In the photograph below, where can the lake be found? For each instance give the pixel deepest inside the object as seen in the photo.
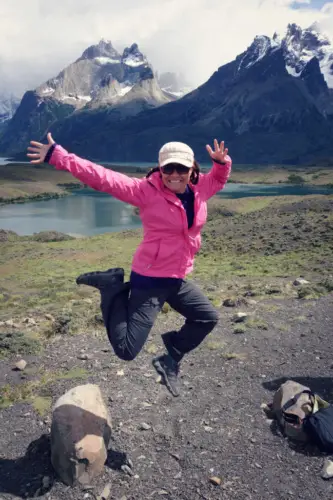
(87, 212)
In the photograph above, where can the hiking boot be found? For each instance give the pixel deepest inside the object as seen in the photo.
(101, 279)
(168, 368)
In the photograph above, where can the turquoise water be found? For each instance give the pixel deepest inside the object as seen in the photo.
(87, 212)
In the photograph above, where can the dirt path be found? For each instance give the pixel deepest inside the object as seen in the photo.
(216, 428)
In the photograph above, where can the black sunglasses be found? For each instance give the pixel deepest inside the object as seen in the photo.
(171, 167)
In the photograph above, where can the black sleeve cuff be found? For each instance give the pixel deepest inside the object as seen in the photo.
(49, 153)
(219, 162)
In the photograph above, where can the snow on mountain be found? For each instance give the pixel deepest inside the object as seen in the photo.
(299, 47)
(8, 105)
(133, 57)
(100, 76)
(259, 48)
(174, 84)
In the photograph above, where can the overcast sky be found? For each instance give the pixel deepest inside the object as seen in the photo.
(38, 38)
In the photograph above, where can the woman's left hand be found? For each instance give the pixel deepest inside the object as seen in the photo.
(219, 154)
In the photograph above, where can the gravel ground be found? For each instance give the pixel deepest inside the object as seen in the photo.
(216, 428)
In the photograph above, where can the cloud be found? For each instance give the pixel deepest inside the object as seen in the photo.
(302, 1)
(39, 38)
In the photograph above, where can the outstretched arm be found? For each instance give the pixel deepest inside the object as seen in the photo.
(216, 179)
(120, 186)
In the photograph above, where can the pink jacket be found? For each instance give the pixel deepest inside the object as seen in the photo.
(168, 246)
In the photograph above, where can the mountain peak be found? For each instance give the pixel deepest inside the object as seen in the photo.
(299, 46)
(132, 56)
(258, 49)
(103, 49)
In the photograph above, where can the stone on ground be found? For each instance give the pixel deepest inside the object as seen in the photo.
(80, 434)
(300, 281)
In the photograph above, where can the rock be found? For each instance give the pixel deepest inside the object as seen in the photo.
(62, 325)
(49, 317)
(99, 319)
(127, 470)
(120, 373)
(106, 492)
(208, 429)
(327, 471)
(240, 317)
(300, 281)
(29, 321)
(9, 322)
(84, 357)
(215, 480)
(144, 427)
(6, 235)
(229, 303)
(80, 434)
(20, 365)
(252, 302)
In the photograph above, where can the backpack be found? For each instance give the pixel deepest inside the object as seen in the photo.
(292, 404)
(319, 427)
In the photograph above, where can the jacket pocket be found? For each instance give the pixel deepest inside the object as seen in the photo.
(147, 253)
(168, 256)
(195, 244)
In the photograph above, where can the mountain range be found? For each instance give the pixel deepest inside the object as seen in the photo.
(272, 103)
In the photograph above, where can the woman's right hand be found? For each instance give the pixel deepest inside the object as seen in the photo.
(39, 150)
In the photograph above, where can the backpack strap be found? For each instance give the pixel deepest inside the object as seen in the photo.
(294, 399)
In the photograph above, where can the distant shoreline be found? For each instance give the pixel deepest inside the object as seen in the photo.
(24, 182)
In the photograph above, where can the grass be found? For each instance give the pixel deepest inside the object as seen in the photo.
(40, 274)
(151, 348)
(265, 239)
(30, 392)
(256, 323)
(19, 183)
(214, 345)
(12, 343)
(234, 355)
(239, 329)
(286, 264)
(279, 174)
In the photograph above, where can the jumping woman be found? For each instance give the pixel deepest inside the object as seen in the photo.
(172, 202)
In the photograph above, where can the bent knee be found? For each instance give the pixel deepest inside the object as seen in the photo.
(214, 321)
(212, 317)
(126, 354)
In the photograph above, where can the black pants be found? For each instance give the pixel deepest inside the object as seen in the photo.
(129, 315)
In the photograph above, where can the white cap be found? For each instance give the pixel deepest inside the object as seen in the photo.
(176, 152)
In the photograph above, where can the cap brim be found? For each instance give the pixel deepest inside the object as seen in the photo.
(185, 163)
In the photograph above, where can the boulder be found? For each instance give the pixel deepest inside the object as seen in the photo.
(80, 434)
(300, 281)
(240, 317)
(20, 365)
(327, 471)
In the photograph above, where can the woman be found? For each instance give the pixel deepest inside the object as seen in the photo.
(172, 203)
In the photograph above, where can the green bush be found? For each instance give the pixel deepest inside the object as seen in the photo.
(18, 343)
(296, 179)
